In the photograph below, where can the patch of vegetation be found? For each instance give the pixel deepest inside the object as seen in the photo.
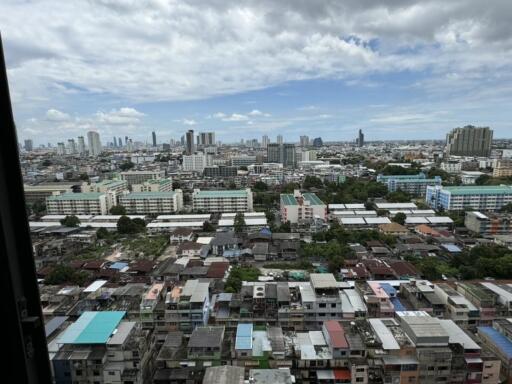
(148, 247)
(239, 274)
(63, 274)
(70, 221)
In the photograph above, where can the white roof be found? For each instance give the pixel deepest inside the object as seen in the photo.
(355, 206)
(95, 285)
(425, 212)
(249, 222)
(377, 220)
(336, 206)
(395, 211)
(42, 224)
(99, 224)
(480, 215)
(384, 334)
(352, 221)
(204, 240)
(175, 224)
(396, 205)
(457, 335)
(60, 217)
(416, 220)
(366, 213)
(246, 214)
(184, 217)
(343, 213)
(439, 220)
(116, 217)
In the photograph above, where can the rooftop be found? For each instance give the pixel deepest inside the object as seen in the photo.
(148, 195)
(77, 196)
(92, 328)
(479, 190)
(220, 194)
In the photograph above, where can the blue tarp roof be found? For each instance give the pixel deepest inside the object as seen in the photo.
(397, 304)
(266, 231)
(92, 327)
(451, 248)
(118, 265)
(501, 341)
(388, 289)
(243, 336)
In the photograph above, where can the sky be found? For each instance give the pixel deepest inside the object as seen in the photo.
(397, 69)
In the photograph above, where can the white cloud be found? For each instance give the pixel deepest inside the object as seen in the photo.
(189, 122)
(235, 117)
(56, 115)
(121, 116)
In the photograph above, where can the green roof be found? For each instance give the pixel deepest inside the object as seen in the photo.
(313, 199)
(288, 199)
(92, 328)
(148, 195)
(221, 194)
(480, 190)
(77, 196)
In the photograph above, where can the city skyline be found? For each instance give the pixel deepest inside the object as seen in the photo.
(420, 71)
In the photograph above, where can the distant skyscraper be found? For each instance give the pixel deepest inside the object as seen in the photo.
(115, 142)
(71, 146)
(129, 145)
(61, 149)
(317, 142)
(265, 141)
(93, 143)
(119, 142)
(126, 140)
(189, 145)
(206, 139)
(29, 145)
(360, 139)
(282, 153)
(81, 145)
(279, 139)
(154, 138)
(304, 141)
(469, 141)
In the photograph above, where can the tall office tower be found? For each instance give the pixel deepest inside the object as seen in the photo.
(49, 145)
(304, 141)
(119, 142)
(129, 145)
(469, 141)
(360, 139)
(282, 153)
(206, 139)
(265, 141)
(154, 138)
(115, 142)
(61, 149)
(29, 145)
(279, 139)
(126, 140)
(317, 142)
(182, 140)
(71, 146)
(94, 143)
(81, 145)
(189, 146)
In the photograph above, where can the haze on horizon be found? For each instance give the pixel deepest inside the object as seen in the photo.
(396, 69)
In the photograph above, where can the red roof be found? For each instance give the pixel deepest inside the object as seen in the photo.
(342, 374)
(336, 334)
(217, 270)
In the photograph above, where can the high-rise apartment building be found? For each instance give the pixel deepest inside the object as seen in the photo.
(282, 153)
(304, 141)
(81, 145)
(61, 149)
(195, 162)
(153, 134)
(360, 139)
(469, 141)
(71, 146)
(206, 139)
(189, 142)
(279, 139)
(29, 145)
(265, 141)
(94, 143)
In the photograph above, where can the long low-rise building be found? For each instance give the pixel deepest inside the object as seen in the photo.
(40, 192)
(485, 198)
(91, 203)
(412, 184)
(223, 201)
(488, 225)
(148, 203)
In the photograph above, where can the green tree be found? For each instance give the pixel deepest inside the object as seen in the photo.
(70, 221)
(506, 208)
(61, 274)
(312, 182)
(126, 165)
(400, 218)
(482, 180)
(125, 225)
(39, 207)
(285, 227)
(239, 223)
(84, 177)
(208, 227)
(102, 233)
(398, 197)
(118, 210)
(260, 186)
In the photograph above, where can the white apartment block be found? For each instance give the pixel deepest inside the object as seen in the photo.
(196, 162)
(140, 177)
(92, 203)
(223, 201)
(157, 185)
(302, 207)
(147, 203)
(113, 188)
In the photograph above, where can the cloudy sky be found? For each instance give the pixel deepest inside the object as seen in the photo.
(398, 69)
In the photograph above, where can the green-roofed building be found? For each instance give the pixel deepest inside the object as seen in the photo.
(154, 185)
(148, 203)
(302, 207)
(112, 188)
(225, 201)
(478, 197)
(85, 203)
